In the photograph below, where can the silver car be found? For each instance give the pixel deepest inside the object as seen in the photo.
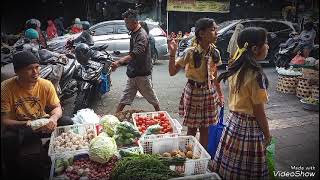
(115, 34)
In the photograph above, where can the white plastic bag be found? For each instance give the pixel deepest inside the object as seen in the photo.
(86, 116)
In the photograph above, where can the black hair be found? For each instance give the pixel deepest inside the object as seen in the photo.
(144, 25)
(201, 25)
(131, 14)
(253, 36)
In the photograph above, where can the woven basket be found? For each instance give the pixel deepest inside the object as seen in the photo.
(310, 73)
(287, 84)
(304, 88)
(315, 92)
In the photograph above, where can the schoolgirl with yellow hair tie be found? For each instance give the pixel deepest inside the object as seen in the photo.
(241, 153)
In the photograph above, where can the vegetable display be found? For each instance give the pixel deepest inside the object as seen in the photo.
(142, 167)
(70, 141)
(187, 153)
(109, 123)
(143, 122)
(131, 151)
(126, 133)
(127, 114)
(102, 148)
(83, 168)
(311, 100)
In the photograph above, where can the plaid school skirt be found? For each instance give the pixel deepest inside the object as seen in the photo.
(241, 153)
(198, 106)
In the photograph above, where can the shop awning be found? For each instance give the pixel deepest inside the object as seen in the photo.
(218, 6)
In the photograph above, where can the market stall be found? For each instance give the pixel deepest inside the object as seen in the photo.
(148, 145)
(301, 79)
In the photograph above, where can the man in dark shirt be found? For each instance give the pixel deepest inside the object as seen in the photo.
(139, 64)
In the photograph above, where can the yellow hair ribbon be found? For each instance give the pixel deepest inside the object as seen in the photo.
(239, 52)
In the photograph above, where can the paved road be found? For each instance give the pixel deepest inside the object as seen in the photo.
(296, 130)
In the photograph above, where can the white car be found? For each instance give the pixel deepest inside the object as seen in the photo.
(115, 34)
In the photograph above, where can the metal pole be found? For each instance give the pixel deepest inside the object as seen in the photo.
(159, 5)
(167, 22)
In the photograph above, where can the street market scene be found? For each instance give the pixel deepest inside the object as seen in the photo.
(160, 89)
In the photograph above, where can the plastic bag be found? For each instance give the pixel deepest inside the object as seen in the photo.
(104, 85)
(271, 158)
(215, 132)
(298, 59)
(86, 116)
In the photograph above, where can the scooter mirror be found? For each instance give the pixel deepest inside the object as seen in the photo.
(116, 52)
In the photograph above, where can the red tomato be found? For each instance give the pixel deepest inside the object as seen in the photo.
(161, 114)
(165, 126)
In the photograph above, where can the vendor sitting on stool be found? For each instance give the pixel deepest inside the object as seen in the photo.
(25, 98)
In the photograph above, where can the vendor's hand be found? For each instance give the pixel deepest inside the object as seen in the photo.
(172, 46)
(115, 65)
(48, 128)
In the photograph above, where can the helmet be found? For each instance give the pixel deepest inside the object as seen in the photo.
(85, 25)
(33, 23)
(31, 34)
(82, 53)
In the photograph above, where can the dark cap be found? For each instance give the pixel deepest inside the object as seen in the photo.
(23, 59)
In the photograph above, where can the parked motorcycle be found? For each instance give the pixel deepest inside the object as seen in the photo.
(60, 72)
(287, 51)
(93, 75)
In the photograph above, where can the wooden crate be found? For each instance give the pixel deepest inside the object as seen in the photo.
(287, 84)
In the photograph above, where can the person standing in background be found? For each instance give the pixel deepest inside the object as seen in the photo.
(233, 46)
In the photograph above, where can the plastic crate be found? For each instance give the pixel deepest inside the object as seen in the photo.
(208, 176)
(80, 129)
(169, 144)
(176, 126)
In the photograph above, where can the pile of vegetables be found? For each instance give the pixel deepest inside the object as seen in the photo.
(142, 167)
(102, 148)
(109, 123)
(83, 168)
(126, 133)
(127, 114)
(145, 121)
(71, 141)
(131, 151)
(310, 100)
(187, 153)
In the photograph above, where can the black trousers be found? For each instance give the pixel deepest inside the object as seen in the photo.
(23, 154)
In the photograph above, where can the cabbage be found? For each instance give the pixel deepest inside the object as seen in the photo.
(109, 123)
(102, 148)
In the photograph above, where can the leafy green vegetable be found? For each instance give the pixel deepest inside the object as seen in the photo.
(142, 167)
(126, 133)
(109, 123)
(102, 148)
(154, 129)
(132, 151)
